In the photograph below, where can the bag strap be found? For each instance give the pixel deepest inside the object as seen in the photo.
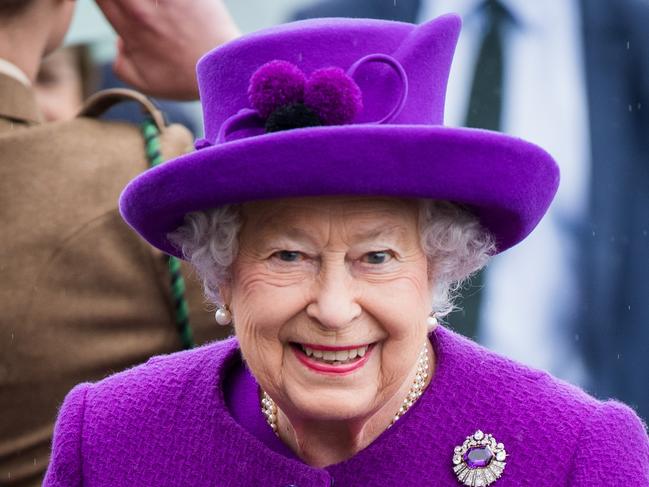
(181, 309)
(99, 103)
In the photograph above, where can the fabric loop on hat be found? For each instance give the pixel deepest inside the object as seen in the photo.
(398, 68)
(245, 123)
(201, 144)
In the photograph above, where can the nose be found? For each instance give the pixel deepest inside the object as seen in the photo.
(334, 303)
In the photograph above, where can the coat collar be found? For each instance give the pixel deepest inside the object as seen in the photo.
(17, 102)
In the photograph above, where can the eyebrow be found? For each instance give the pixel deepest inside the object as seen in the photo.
(298, 233)
(374, 233)
(292, 232)
(361, 234)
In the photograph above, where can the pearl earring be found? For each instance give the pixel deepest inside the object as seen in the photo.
(431, 321)
(223, 315)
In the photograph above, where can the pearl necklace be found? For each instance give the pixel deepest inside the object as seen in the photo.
(269, 408)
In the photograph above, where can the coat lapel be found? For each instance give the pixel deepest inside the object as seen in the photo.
(17, 102)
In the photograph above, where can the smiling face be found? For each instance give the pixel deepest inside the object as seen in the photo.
(330, 298)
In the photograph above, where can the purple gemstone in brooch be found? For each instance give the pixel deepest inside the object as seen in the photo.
(479, 461)
(478, 457)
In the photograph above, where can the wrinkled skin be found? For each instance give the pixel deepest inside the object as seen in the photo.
(335, 272)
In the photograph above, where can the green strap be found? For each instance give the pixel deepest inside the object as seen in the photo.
(181, 309)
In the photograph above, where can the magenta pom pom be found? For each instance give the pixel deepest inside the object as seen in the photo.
(275, 84)
(329, 92)
(333, 95)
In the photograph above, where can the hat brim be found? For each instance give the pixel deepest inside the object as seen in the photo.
(507, 182)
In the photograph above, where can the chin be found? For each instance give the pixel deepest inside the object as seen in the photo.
(331, 403)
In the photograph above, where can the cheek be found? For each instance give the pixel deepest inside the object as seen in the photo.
(262, 306)
(257, 333)
(400, 305)
(264, 301)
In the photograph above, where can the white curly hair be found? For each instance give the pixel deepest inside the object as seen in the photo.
(455, 244)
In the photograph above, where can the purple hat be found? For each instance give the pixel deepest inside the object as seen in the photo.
(341, 107)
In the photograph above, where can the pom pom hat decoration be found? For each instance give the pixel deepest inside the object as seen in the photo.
(341, 107)
(275, 84)
(280, 93)
(333, 95)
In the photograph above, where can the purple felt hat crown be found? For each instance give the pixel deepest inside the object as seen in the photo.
(341, 107)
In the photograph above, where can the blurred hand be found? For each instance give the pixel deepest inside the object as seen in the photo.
(160, 41)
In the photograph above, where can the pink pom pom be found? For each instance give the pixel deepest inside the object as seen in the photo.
(333, 95)
(275, 84)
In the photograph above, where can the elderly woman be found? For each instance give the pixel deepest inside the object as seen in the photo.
(332, 218)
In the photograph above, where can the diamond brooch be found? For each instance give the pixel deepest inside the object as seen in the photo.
(479, 461)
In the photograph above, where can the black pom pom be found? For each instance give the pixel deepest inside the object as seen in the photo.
(293, 116)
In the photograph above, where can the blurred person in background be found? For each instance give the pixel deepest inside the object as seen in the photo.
(70, 75)
(65, 79)
(74, 309)
(572, 76)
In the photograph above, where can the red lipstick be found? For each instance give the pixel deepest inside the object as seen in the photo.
(333, 349)
(330, 369)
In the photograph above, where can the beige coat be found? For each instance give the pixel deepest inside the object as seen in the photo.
(81, 295)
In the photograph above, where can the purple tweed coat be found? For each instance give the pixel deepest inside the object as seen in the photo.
(166, 423)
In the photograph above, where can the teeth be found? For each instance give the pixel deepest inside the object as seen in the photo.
(329, 355)
(336, 357)
(342, 355)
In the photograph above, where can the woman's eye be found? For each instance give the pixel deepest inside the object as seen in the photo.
(288, 255)
(380, 257)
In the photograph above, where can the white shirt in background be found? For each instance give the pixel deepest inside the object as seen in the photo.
(13, 71)
(531, 290)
